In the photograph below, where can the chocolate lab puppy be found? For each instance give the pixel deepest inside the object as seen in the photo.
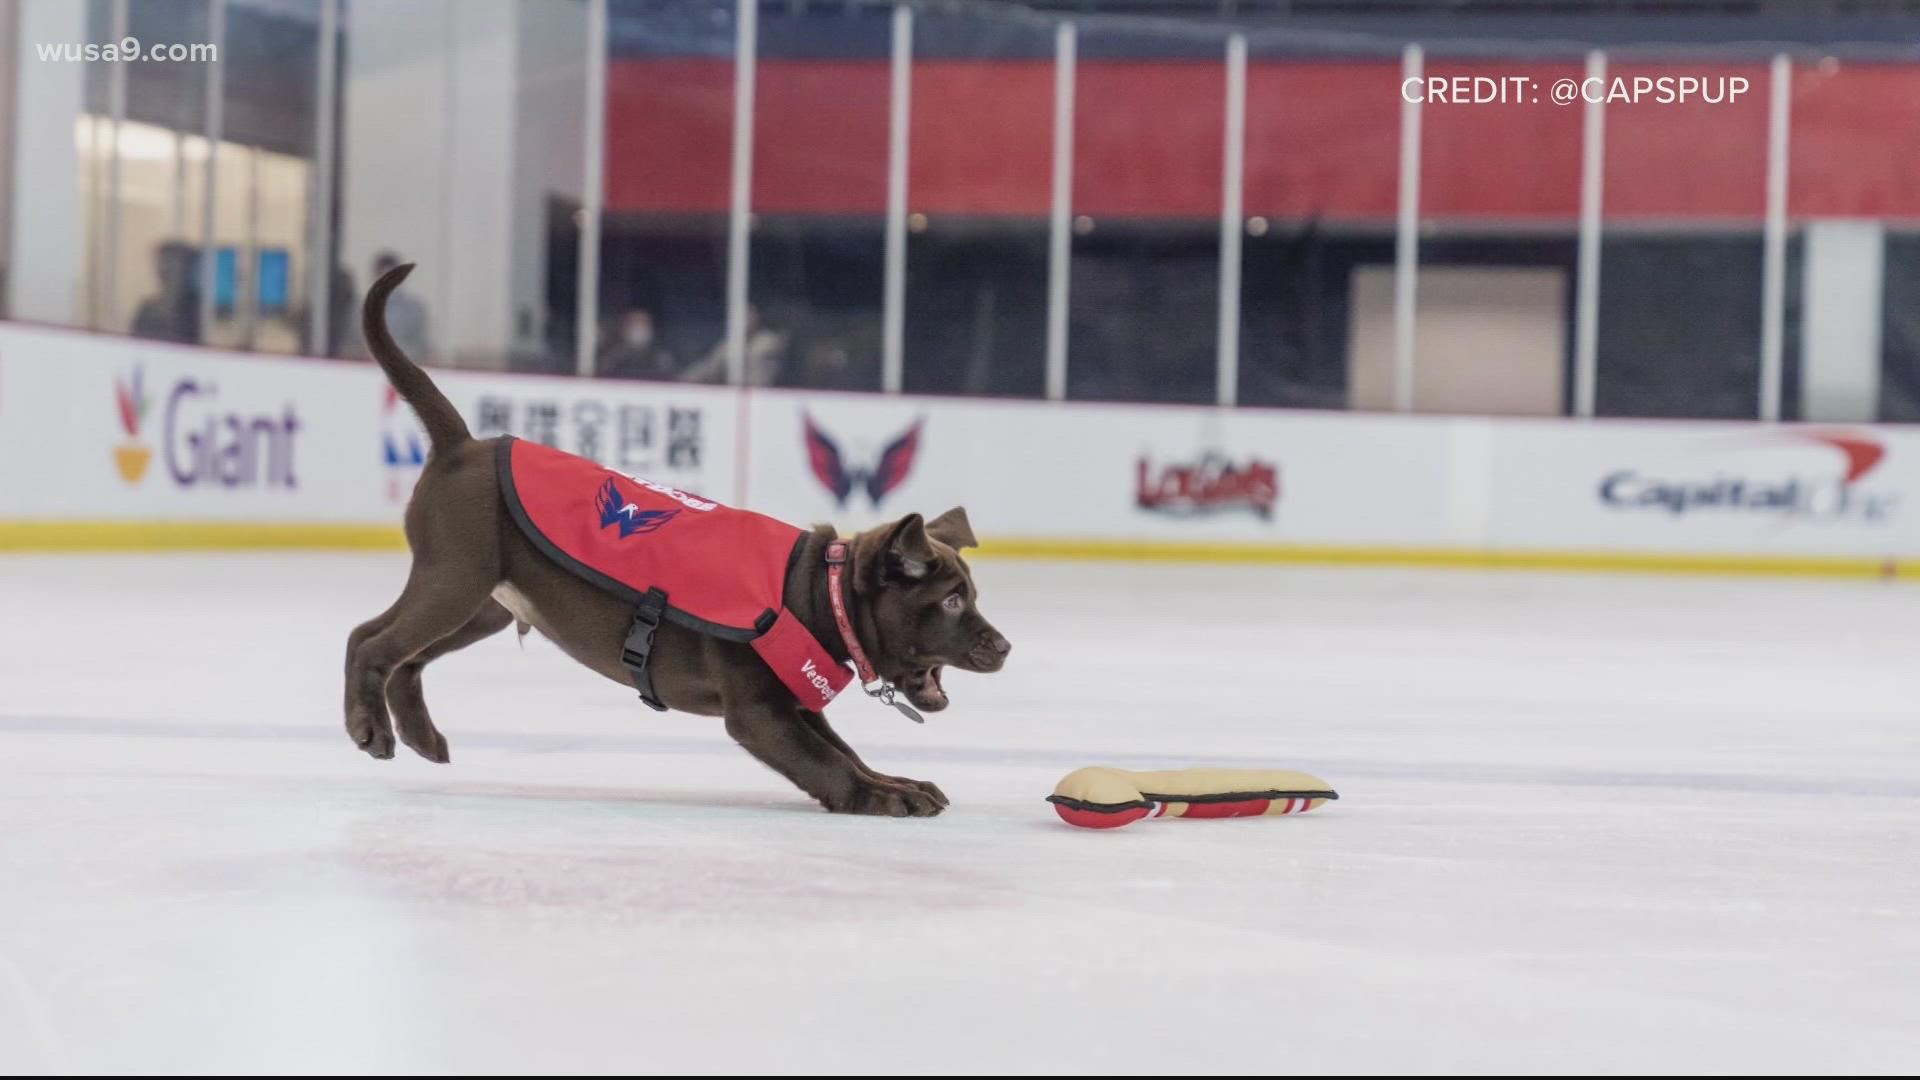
(909, 599)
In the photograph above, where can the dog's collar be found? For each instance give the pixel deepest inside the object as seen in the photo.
(836, 562)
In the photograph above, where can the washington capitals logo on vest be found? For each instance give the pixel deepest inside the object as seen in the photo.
(615, 510)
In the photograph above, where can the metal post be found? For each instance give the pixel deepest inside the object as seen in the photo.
(320, 243)
(1060, 235)
(1586, 313)
(216, 134)
(1232, 183)
(177, 223)
(894, 304)
(740, 213)
(586, 326)
(107, 312)
(247, 273)
(446, 280)
(1773, 298)
(1406, 263)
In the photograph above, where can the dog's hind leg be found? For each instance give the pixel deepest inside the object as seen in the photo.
(405, 697)
(434, 605)
(818, 722)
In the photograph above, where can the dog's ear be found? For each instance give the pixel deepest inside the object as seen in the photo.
(909, 551)
(951, 529)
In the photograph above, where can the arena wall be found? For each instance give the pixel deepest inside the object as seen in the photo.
(110, 443)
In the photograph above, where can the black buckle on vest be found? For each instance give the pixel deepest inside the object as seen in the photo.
(638, 648)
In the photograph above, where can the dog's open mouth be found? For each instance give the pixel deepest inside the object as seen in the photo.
(924, 690)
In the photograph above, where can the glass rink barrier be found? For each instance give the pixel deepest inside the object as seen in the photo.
(1502, 215)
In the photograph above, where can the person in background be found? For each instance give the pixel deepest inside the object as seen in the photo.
(635, 353)
(172, 314)
(343, 322)
(406, 315)
(766, 356)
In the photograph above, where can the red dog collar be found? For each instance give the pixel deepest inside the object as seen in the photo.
(836, 559)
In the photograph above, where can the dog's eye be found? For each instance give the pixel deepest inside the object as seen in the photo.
(954, 603)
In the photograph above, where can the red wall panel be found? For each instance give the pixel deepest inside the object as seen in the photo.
(1854, 147)
(1518, 158)
(1687, 160)
(669, 134)
(982, 137)
(1148, 137)
(820, 136)
(1323, 139)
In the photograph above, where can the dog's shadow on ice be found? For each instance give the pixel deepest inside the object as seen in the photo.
(618, 799)
(629, 856)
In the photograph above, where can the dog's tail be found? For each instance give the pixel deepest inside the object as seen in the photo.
(442, 421)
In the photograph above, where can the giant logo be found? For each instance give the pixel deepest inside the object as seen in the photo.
(205, 444)
(1832, 491)
(888, 471)
(1214, 484)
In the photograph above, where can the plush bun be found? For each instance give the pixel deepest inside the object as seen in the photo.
(1101, 798)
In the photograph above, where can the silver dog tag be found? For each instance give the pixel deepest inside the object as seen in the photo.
(889, 696)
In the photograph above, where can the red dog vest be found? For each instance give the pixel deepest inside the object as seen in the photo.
(723, 571)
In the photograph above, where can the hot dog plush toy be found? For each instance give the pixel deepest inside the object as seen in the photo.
(1100, 798)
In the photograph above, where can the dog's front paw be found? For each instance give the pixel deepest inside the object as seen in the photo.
(886, 799)
(927, 786)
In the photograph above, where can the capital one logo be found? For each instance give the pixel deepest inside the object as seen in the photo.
(877, 476)
(1834, 491)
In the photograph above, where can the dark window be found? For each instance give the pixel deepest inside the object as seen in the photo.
(976, 318)
(1144, 312)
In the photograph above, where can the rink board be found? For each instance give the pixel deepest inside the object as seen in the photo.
(108, 443)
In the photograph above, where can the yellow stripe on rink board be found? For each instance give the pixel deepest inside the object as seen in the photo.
(326, 536)
(1467, 558)
(195, 536)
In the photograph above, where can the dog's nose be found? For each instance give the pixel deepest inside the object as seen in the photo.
(989, 652)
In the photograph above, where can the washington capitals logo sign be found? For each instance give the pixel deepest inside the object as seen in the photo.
(889, 472)
(615, 510)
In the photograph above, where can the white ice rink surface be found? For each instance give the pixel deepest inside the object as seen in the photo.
(1587, 823)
